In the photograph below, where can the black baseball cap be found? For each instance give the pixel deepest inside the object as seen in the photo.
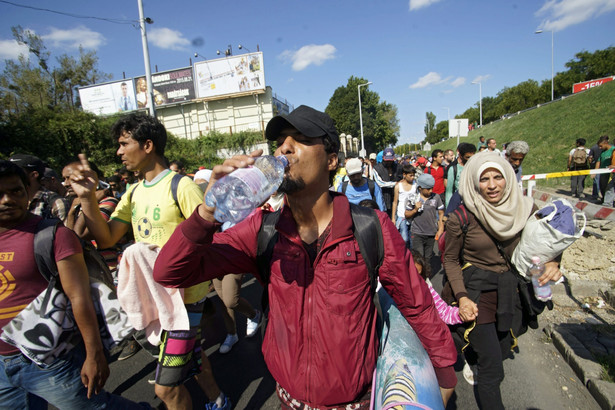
(29, 163)
(307, 121)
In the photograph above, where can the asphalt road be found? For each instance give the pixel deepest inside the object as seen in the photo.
(536, 378)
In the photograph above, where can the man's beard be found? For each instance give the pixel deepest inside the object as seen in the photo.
(291, 186)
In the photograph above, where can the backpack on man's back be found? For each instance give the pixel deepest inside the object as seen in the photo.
(579, 157)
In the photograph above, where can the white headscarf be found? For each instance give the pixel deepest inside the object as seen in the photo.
(506, 218)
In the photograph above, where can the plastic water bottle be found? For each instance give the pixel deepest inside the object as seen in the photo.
(535, 271)
(237, 194)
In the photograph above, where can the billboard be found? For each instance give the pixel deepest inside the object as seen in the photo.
(586, 85)
(170, 87)
(229, 75)
(110, 98)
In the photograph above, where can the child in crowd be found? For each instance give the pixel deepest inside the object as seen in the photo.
(369, 203)
(403, 190)
(425, 210)
(448, 314)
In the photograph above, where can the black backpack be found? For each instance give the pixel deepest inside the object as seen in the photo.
(45, 260)
(370, 185)
(367, 232)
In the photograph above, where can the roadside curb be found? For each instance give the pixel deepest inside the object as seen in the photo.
(583, 364)
(592, 211)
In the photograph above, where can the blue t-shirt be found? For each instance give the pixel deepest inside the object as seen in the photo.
(358, 194)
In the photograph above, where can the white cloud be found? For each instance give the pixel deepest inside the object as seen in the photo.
(559, 14)
(481, 78)
(11, 49)
(308, 55)
(459, 81)
(431, 78)
(168, 39)
(419, 4)
(73, 38)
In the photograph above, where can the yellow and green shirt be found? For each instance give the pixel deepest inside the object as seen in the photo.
(153, 214)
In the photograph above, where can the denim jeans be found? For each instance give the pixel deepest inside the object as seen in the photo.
(24, 385)
(402, 225)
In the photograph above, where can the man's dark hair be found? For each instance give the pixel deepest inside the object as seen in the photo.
(466, 147)
(8, 169)
(115, 178)
(180, 165)
(141, 128)
(124, 84)
(581, 142)
(369, 203)
(436, 152)
(408, 169)
(604, 138)
(481, 137)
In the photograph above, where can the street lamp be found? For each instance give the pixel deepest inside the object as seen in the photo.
(362, 153)
(199, 55)
(539, 32)
(242, 47)
(227, 52)
(148, 70)
(480, 100)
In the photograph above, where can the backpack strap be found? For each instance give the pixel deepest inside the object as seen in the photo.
(344, 187)
(174, 186)
(372, 188)
(266, 240)
(368, 234)
(44, 250)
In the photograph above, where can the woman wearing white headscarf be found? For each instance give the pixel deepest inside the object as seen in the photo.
(480, 278)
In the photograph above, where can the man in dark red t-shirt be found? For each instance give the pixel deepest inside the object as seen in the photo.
(436, 170)
(75, 379)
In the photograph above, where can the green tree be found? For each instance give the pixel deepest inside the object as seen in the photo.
(431, 134)
(24, 85)
(523, 95)
(380, 123)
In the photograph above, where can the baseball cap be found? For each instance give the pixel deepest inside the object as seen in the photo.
(203, 174)
(421, 160)
(372, 156)
(307, 121)
(29, 163)
(388, 154)
(354, 166)
(426, 181)
(50, 173)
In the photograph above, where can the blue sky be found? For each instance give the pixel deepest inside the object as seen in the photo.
(421, 55)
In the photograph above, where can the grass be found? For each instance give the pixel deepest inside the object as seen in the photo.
(608, 367)
(551, 131)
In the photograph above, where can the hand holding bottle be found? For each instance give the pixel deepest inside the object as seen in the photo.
(219, 171)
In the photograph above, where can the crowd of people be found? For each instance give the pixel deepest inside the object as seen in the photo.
(321, 338)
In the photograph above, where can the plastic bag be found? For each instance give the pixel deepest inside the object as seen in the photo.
(548, 236)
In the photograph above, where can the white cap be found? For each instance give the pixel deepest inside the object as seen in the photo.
(203, 174)
(354, 166)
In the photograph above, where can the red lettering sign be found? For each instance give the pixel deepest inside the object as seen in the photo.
(586, 85)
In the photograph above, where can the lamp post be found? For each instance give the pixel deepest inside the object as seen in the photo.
(148, 70)
(362, 152)
(448, 112)
(480, 100)
(228, 52)
(539, 32)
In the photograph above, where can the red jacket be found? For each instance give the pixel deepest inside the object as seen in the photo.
(321, 342)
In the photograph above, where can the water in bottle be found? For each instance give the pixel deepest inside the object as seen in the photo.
(237, 194)
(536, 270)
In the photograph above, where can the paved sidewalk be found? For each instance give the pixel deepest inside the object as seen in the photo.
(590, 335)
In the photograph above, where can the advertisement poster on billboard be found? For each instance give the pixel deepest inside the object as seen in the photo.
(170, 87)
(110, 98)
(230, 75)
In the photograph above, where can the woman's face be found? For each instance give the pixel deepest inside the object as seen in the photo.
(491, 185)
